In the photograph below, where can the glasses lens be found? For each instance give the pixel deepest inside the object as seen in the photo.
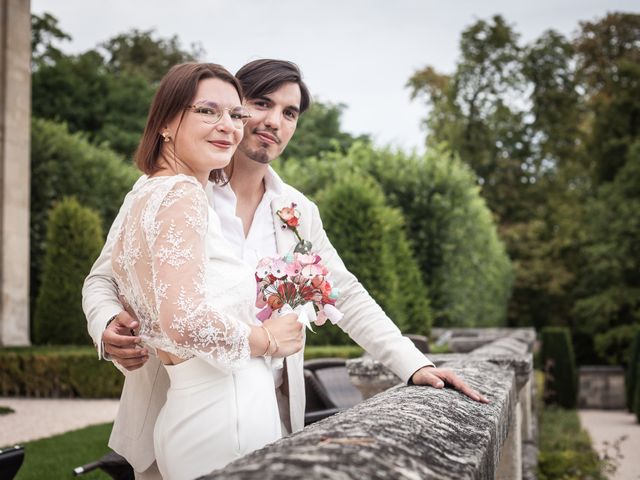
(209, 114)
(239, 116)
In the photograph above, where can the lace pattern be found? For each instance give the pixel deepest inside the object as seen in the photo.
(192, 297)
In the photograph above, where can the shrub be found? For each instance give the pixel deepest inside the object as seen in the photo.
(412, 298)
(560, 370)
(636, 404)
(454, 238)
(65, 164)
(75, 371)
(332, 351)
(614, 346)
(565, 448)
(370, 240)
(632, 370)
(74, 241)
(57, 372)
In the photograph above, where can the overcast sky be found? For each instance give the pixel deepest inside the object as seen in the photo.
(357, 52)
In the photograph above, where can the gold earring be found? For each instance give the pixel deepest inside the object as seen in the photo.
(167, 136)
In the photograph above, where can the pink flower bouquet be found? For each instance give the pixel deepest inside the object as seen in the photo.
(289, 282)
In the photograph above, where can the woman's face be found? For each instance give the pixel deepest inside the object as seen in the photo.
(199, 144)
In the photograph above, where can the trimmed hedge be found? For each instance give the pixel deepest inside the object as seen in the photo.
(76, 372)
(74, 241)
(633, 368)
(558, 361)
(332, 351)
(463, 263)
(64, 165)
(636, 405)
(370, 238)
(57, 372)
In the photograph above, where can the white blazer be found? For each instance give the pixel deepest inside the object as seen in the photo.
(145, 389)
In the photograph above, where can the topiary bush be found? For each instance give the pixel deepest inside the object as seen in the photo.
(633, 368)
(65, 164)
(558, 362)
(74, 241)
(370, 239)
(413, 312)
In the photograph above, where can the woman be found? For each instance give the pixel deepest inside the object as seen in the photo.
(193, 298)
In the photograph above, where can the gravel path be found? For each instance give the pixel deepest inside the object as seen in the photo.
(606, 427)
(40, 418)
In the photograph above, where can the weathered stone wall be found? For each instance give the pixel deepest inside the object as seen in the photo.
(410, 432)
(15, 121)
(601, 387)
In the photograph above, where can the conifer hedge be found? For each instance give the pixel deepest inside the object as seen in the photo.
(66, 164)
(74, 241)
(633, 369)
(558, 362)
(370, 239)
(636, 404)
(454, 238)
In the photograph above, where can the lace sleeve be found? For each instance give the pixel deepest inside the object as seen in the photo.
(177, 244)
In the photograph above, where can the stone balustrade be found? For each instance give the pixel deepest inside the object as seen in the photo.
(412, 432)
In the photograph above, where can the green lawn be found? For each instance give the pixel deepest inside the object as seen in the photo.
(56, 457)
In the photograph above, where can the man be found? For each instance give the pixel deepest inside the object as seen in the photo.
(276, 97)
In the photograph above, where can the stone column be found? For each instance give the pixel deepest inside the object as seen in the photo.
(15, 121)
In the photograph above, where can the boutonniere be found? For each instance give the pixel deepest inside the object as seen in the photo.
(291, 219)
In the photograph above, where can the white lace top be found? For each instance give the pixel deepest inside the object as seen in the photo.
(174, 269)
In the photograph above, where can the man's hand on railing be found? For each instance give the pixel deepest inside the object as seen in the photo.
(439, 377)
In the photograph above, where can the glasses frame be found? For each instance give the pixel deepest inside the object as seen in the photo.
(245, 120)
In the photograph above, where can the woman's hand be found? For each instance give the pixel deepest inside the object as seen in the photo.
(287, 333)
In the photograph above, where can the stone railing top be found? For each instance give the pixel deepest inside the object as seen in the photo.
(372, 377)
(403, 433)
(601, 369)
(463, 340)
(503, 346)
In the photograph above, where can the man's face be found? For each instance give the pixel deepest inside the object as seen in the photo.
(273, 121)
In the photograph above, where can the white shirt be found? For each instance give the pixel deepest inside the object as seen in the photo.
(261, 239)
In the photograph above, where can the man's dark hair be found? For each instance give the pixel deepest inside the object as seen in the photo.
(262, 77)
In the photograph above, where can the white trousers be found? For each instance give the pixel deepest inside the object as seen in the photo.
(212, 417)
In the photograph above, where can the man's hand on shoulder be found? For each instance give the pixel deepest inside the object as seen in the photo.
(439, 377)
(122, 344)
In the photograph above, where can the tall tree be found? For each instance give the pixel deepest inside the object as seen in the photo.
(319, 130)
(105, 91)
(141, 52)
(609, 66)
(475, 111)
(493, 111)
(609, 284)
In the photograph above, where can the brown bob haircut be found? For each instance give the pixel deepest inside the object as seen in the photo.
(175, 93)
(261, 77)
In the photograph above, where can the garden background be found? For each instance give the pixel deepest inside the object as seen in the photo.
(522, 209)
